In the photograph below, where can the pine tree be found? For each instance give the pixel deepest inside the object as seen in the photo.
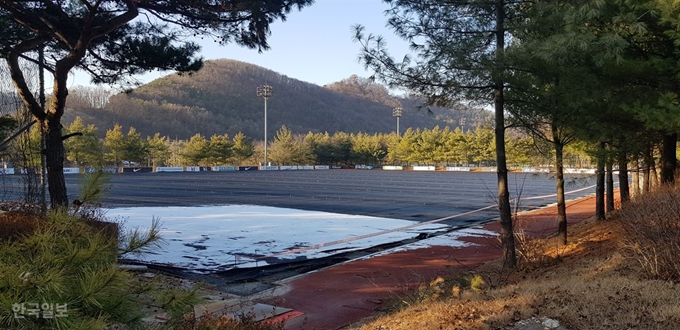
(242, 148)
(195, 151)
(134, 147)
(459, 48)
(84, 149)
(114, 142)
(158, 149)
(219, 149)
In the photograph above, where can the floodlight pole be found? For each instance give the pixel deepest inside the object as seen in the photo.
(265, 91)
(397, 112)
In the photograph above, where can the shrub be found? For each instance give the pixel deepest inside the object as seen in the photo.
(651, 224)
(441, 288)
(60, 271)
(247, 321)
(66, 264)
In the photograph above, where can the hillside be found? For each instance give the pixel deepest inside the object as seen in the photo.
(620, 273)
(221, 98)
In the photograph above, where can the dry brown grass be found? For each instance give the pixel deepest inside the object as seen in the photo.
(652, 232)
(594, 282)
(14, 225)
(222, 322)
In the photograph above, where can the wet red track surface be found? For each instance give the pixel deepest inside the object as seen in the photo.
(340, 295)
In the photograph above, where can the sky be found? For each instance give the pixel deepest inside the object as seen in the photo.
(313, 45)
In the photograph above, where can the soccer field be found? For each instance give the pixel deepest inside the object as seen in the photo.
(417, 196)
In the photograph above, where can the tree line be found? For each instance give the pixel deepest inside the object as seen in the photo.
(435, 146)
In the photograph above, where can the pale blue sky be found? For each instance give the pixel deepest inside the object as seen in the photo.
(313, 45)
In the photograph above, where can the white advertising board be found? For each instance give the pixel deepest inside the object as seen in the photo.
(169, 169)
(580, 170)
(458, 168)
(535, 170)
(224, 168)
(423, 168)
(71, 170)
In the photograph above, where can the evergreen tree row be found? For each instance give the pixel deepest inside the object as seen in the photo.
(436, 146)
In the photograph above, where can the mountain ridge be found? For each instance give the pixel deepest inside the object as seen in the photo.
(221, 98)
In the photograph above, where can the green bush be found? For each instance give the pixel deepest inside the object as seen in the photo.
(60, 271)
(66, 264)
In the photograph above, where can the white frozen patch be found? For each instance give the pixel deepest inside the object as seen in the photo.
(221, 237)
(451, 239)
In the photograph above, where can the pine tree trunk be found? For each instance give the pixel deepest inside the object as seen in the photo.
(507, 232)
(654, 172)
(636, 179)
(54, 144)
(646, 184)
(599, 187)
(610, 185)
(559, 181)
(669, 158)
(624, 188)
(646, 174)
(54, 159)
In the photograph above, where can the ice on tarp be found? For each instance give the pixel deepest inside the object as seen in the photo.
(452, 239)
(213, 238)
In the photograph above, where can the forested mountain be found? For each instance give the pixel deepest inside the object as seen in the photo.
(221, 98)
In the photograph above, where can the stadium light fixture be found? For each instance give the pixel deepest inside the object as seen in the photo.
(397, 112)
(266, 92)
